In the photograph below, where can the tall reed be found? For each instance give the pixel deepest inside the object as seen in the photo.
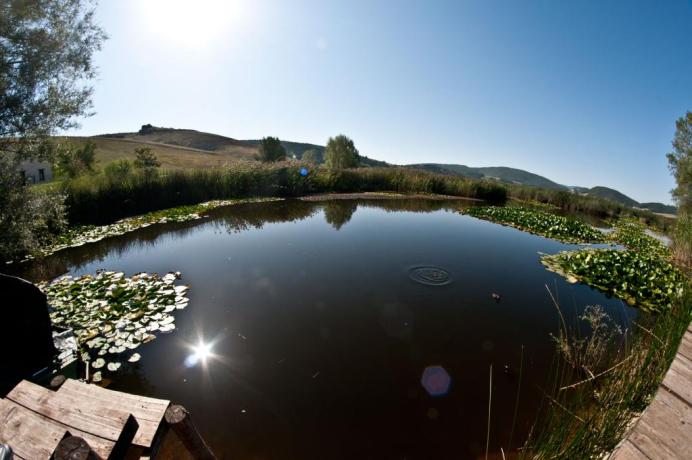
(99, 199)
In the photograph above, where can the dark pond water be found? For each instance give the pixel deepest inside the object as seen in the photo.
(347, 329)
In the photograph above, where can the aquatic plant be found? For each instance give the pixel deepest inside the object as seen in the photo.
(112, 315)
(539, 222)
(631, 234)
(638, 278)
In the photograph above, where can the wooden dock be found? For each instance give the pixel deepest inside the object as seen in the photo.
(38, 423)
(664, 430)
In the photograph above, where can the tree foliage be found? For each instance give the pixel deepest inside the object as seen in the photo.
(341, 153)
(46, 63)
(312, 156)
(145, 158)
(73, 161)
(28, 219)
(680, 162)
(270, 150)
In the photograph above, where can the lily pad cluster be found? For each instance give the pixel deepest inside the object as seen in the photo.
(112, 315)
(539, 222)
(81, 235)
(650, 282)
(632, 235)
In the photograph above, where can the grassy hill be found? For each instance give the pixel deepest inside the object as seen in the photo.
(171, 156)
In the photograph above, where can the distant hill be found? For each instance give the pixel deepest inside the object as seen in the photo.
(618, 197)
(499, 173)
(612, 195)
(659, 208)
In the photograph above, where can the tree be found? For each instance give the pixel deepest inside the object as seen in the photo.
(270, 149)
(312, 156)
(680, 163)
(46, 65)
(341, 153)
(72, 162)
(146, 161)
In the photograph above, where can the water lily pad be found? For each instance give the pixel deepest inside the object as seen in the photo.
(113, 366)
(99, 363)
(134, 358)
(96, 377)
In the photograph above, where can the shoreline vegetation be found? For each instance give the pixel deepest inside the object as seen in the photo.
(83, 234)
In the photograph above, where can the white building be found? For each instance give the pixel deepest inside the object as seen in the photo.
(35, 172)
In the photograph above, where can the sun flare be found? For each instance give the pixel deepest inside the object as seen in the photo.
(189, 23)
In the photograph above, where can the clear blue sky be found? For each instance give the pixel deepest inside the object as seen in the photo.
(582, 92)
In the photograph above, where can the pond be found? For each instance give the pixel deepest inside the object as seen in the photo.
(347, 329)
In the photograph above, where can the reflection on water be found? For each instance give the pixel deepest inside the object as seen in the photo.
(309, 336)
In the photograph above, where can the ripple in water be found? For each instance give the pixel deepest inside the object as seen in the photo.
(431, 276)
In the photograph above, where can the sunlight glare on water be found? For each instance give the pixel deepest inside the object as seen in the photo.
(200, 354)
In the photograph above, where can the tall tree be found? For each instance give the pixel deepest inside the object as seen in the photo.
(46, 65)
(680, 162)
(341, 153)
(270, 149)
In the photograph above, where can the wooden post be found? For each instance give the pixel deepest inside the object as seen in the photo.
(178, 418)
(72, 448)
(57, 381)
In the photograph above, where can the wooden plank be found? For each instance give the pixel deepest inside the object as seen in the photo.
(686, 346)
(27, 433)
(663, 432)
(679, 378)
(148, 412)
(82, 414)
(628, 451)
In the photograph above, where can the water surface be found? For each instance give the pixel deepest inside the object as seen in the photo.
(325, 342)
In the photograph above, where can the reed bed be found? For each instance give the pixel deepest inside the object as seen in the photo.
(602, 382)
(99, 199)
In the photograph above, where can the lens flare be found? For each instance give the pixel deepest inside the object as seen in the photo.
(200, 354)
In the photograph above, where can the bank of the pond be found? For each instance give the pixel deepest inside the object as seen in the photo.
(585, 417)
(83, 234)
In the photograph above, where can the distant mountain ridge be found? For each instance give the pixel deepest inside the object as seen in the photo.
(224, 149)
